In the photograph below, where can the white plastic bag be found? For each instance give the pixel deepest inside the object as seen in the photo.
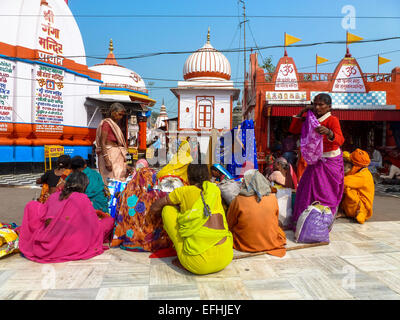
(284, 197)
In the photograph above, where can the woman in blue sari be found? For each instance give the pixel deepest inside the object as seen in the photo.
(95, 189)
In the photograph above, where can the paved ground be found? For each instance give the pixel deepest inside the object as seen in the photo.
(361, 262)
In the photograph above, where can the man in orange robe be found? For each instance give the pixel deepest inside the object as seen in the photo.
(359, 188)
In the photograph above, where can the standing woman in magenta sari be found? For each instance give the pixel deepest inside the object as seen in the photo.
(111, 145)
(323, 180)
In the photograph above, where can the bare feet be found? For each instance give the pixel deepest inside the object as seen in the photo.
(340, 215)
(177, 263)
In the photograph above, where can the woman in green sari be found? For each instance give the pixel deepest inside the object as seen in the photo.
(95, 189)
(198, 227)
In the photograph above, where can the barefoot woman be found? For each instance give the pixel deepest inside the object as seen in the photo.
(198, 229)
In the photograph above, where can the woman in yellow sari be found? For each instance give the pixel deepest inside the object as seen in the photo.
(198, 229)
(359, 188)
(178, 165)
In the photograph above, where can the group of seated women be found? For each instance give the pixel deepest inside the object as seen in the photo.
(73, 223)
(70, 220)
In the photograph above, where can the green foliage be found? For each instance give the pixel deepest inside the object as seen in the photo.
(269, 67)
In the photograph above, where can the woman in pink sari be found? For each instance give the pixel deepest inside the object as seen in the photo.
(111, 145)
(66, 227)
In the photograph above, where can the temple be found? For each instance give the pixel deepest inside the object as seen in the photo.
(205, 98)
(367, 104)
(48, 94)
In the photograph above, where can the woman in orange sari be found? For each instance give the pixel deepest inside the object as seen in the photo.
(54, 180)
(111, 145)
(359, 188)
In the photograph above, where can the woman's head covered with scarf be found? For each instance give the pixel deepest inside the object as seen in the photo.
(360, 159)
(254, 183)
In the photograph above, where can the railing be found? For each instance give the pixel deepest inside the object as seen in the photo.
(378, 77)
(309, 76)
(312, 76)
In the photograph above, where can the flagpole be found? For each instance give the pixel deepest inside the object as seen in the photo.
(378, 63)
(284, 45)
(316, 62)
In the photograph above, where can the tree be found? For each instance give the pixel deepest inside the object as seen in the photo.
(153, 117)
(269, 67)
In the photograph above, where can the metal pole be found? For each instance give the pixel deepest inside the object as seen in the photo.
(244, 52)
(378, 63)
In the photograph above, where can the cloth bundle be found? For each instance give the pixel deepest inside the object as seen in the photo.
(229, 190)
(169, 183)
(314, 224)
(8, 236)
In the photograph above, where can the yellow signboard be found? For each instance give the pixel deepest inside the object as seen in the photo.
(149, 153)
(133, 152)
(52, 151)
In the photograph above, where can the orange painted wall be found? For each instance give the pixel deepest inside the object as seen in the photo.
(25, 134)
(261, 122)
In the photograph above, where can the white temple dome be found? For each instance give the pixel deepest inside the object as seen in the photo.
(26, 18)
(206, 63)
(115, 76)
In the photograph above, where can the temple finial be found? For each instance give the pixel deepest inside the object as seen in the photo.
(111, 47)
(208, 35)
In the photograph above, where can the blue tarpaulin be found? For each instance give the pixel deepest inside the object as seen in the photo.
(234, 163)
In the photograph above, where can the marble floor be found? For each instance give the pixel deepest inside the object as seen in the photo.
(362, 262)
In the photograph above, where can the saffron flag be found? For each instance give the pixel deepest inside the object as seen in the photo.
(382, 60)
(352, 38)
(321, 60)
(290, 39)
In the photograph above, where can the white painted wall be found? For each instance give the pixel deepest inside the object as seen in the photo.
(222, 100)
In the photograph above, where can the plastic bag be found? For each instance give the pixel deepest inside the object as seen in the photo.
(115, 187)
(314, 224)
(284, 197)
(311, 142)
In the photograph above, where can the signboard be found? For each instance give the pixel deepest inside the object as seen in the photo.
(134, 153)
(49, 104)
(261, 157)
(53, 151)
(286, 78)
(149, 153)
(272, 96)
(6, 90)
(349, 79)
(50, 43)
(131, 155)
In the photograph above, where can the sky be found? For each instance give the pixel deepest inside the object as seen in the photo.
(154, 26)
